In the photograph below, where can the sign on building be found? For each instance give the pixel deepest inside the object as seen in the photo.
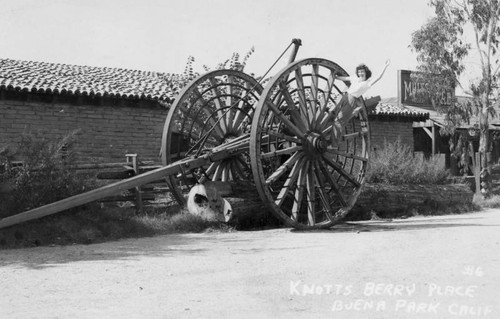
(408, 87)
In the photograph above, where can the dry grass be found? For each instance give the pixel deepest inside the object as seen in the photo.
(93, 225)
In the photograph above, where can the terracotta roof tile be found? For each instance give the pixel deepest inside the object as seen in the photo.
(56, 78)
(400, 111)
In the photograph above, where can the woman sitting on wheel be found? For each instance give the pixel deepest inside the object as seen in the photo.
(351, 102)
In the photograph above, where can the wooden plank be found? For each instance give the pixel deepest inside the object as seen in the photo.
(427, 123)
(126, 198)
(97, 166)
(114, 175)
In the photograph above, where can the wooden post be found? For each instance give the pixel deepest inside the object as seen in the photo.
(477, 172)
(132, 159)
(432, 134)
(434, 139)
(296, 44)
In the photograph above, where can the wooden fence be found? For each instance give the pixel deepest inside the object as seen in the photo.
(148, 194)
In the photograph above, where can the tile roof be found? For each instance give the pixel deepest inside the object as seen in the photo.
(392, 110)
(440, 118)
(57, 78)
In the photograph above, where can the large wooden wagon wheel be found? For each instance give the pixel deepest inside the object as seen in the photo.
(214, 111)
(309, 172)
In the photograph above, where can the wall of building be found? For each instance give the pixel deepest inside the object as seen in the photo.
(110, 129)
(390, 131)
(107, 132)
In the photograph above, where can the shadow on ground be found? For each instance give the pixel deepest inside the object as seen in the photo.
(402, 224)
(159, 246)
(200, 244)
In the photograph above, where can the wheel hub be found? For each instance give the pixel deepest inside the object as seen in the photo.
(314, 144)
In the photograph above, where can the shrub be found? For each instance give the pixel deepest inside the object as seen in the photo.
(491, 202)
(45, 176)
(396, 164)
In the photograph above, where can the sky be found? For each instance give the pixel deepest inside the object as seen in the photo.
(160, 35)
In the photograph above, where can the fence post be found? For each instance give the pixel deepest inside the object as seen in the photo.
(132, 159)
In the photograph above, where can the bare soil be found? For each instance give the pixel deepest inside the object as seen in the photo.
(422, 267)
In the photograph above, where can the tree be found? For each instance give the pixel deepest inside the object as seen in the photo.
(442, 45)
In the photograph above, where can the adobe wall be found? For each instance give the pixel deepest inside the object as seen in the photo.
(114, 128)
(390, 131)
(107, 132)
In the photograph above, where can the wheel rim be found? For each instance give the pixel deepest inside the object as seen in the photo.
(214, 109)
(310, 175)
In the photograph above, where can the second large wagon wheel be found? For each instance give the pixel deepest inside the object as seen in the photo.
(307, 164)
(215, 110)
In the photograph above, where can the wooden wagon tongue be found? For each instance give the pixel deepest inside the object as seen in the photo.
(116, 188)
(285, 140)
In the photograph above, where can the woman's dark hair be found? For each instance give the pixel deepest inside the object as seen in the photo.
(367, 70)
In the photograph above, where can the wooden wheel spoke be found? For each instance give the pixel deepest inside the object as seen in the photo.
(314, 89)
(206, 110)
(332, 183)
(240, 167)
(209, 171)
(218, 105)
(226, 172)
(282, 136)
(200, 123)
(321, 191)
(292, 127)
(244, 166)
(341, 171)
(218, 171)
(292, 108)
(323, 111)
(240, 116)
(325, 123)
(310, 197)
(230, 86)
(325, 97)
(300, 190)
(354, 135)
(289, 163)
(292, 177)
(339, 132)
(301, 91)
(284, 151)
(348, 155)
(242, 111)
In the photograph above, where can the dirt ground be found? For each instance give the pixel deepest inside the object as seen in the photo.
(433, 267)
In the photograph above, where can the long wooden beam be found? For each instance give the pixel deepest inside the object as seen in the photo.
(113, 189)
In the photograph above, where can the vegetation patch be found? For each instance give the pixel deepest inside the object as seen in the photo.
(91, 224)
(46, 176)
(396, 164)
(400, 184)
(491, 202)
